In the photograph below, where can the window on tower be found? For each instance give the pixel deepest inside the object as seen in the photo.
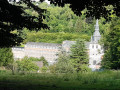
(94, 62)
(92, 46)
(96, 46)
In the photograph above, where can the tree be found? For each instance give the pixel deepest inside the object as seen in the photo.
(14, 17)
(45, 63)
(111, 58)
(6, 56)
(79, 56)
(63, 64)
(95, 8)
(26, 65)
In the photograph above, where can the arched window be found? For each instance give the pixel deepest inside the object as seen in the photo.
(92, 46)
(94, 62)
(96, 46)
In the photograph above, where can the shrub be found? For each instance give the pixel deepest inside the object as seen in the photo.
(44, 69)
(6, 56)
(52, 68)
(27, 65)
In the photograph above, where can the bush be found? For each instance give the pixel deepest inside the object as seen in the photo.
(6, 56)
(44, 69)
(27, 65)
(52, 68)
(45, 63)
(63, 64)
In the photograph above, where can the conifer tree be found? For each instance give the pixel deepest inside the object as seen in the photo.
(111, 58)
(79, 56)
(63, 63)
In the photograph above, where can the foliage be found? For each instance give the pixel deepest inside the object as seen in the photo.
(53, 37)
(45, 63)
(79, 56)
(63, 63)
(43, 69)
(29, 15)
(52, 68)
(17, 20)
(26, 65)
(94, 8)
(111, 58)
(6, 56)
(62, 19)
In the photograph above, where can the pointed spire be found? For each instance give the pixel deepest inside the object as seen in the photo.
(96, 36)
(97, 25)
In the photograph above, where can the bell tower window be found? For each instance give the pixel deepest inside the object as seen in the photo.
(92, 46)
(94, 62)
(96, 46)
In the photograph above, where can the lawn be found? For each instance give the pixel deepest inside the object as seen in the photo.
(106, 80)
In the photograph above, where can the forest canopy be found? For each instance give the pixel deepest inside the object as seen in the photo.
(14, 16)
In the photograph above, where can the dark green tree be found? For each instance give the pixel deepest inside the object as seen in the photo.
(26, 65)
(45, 63)
(95, 8)
(6, 56)
(111, 58)
(13, 17)
(79, 55)
(63, 64)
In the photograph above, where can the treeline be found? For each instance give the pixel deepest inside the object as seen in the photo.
(63, 25)
(58, 37)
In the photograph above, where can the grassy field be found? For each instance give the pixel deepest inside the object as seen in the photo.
(106, 80)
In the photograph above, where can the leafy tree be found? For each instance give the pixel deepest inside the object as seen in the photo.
(79, 56)
(6, 56)
(60, 19)
(94, 8)
(78, 25)
(26, 65)
(111, 58)
(13, 17)
(44, 69)
(45, 63)
(63, 63)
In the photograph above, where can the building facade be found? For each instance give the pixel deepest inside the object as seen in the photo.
(50, 50)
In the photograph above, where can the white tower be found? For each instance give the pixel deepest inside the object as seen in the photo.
(95, 49)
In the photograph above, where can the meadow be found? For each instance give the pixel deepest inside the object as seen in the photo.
(104, 80)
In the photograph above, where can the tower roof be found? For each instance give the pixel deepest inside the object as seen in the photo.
(96, 36)
(96, 33)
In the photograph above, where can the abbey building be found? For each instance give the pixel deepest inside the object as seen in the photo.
(96, 50)
(50, 50)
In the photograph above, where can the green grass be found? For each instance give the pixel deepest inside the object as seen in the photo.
(107, 80)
